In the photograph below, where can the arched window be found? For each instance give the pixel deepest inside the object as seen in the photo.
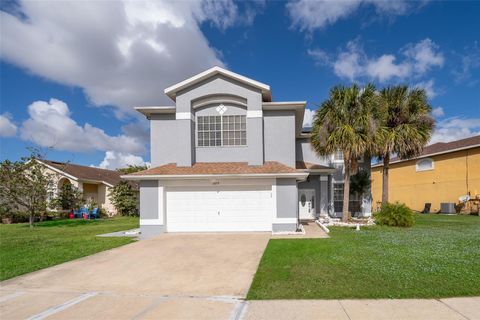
(424, 164)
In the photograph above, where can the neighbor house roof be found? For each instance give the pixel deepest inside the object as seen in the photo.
(172, 90)
(442, 148)
(85, 173)
(209, 169)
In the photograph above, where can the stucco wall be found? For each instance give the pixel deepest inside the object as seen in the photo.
(164, 139)
(104, 200)
(287, 198)
(454, 174)
(304, 152)
(149, 199)
(279, 136)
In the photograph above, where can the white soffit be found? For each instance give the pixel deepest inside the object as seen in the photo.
(149, 110)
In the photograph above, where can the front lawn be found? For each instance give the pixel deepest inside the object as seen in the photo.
(24, 250)
(438, 257)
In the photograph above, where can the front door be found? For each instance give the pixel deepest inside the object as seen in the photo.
(306, 204)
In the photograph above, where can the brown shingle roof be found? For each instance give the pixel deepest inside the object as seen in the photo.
(443, 147)
(205, 168)
(86, 173)
(302, 165)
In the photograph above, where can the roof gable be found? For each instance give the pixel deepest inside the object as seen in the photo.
(110, 177)
(172, 90)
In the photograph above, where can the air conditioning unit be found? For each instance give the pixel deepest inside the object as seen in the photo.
(447, 207)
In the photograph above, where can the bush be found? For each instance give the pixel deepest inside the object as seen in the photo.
(394, 215)
(124, 199)
(68, 198)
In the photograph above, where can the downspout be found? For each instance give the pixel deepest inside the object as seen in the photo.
(466, 172)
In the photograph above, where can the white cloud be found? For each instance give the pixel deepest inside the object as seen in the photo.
(122, 53)
(115, 160)
(438, 112)
(349, 63)
(308, 15)
(424, 55)
(452, 129)
(352, 63)
(385, 68)
(308, 118)
(320, 56)
(469, 63)
(429, 87)
(50, 125)
(7, 127)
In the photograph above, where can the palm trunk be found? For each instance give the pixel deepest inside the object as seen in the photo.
(386, 164)
(346, 191)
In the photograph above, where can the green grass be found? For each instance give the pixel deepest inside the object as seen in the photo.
(438, 257)
(24, 250)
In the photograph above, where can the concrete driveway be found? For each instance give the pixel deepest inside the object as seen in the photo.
(173, 276)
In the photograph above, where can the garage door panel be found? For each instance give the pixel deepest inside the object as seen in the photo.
(204, 209)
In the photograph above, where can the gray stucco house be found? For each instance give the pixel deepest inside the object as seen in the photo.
(227, 158)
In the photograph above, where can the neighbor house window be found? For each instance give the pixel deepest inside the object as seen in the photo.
(214, 131)
(424, 165)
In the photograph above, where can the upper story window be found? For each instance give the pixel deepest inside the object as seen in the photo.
(338, 156)
(215, 131)
(424, 165)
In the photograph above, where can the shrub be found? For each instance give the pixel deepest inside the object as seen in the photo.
(68, 198)
(124, 199)
(394, 215)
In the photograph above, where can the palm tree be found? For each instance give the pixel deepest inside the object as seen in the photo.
(405, 126)
(345, 122)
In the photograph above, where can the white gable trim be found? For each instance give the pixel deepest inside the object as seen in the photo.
(172, 90)
(58, 170)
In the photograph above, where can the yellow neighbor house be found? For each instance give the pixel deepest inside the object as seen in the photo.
(443, 173)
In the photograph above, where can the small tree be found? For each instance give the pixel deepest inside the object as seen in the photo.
(124, 199)
(132, 169)
(68, 198)
(359, 185)
(25, 185)
(360, 182)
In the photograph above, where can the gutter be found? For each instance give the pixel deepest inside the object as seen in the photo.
(298, 176)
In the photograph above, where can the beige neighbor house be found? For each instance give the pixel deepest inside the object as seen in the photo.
(95, 183)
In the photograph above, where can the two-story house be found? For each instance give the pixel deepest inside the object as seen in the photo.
(227, 158)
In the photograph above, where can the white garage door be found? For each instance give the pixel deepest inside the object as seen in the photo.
(204, 209)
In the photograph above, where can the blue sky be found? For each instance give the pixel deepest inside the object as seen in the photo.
(71, 72)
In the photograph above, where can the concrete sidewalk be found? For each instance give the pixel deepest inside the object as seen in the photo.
(383, 309)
